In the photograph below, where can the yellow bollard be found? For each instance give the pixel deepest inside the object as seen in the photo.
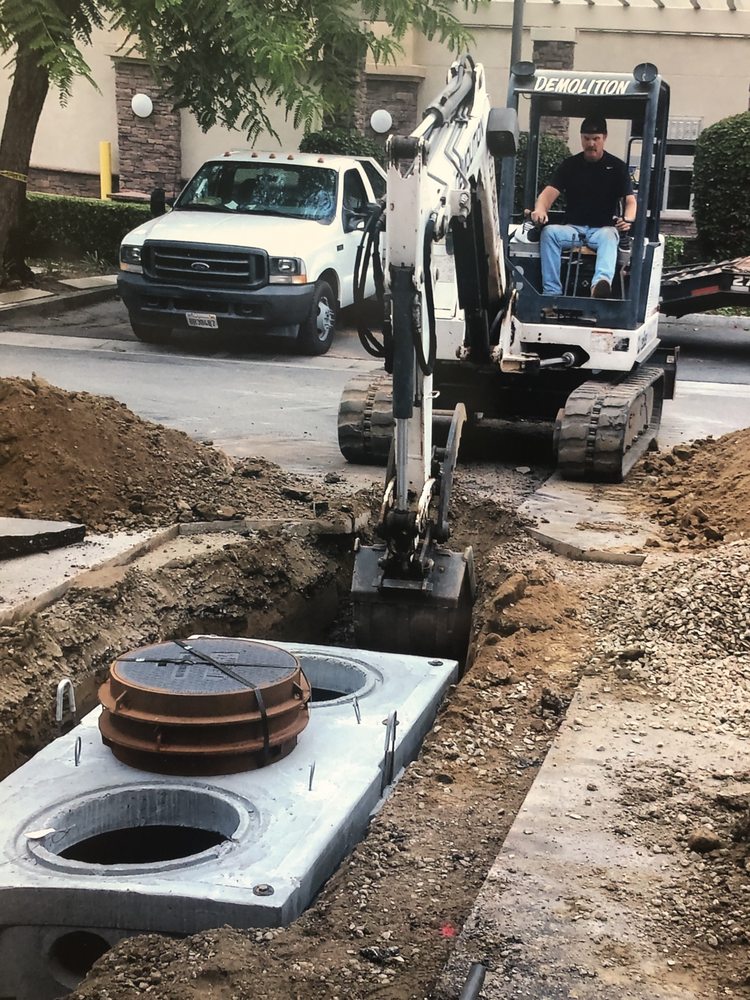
(105, 169)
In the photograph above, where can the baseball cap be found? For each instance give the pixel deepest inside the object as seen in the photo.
(594, 126)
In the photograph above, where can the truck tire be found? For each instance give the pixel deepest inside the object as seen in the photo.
(316, 333)
(151, 334)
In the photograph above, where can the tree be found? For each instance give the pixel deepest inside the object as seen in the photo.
(227, 61)
(721, 175)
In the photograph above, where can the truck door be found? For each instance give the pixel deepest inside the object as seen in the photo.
(354, 215)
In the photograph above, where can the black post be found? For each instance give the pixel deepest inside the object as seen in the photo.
(517, 32)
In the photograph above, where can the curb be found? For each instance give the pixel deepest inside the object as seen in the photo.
(62, 302)
(704, 321)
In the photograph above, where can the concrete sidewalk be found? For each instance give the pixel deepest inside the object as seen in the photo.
(576, 904)
(69, 293)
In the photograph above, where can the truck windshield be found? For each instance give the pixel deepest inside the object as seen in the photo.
(280, 189)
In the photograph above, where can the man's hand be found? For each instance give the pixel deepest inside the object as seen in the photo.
(623, 225)
(539, 216)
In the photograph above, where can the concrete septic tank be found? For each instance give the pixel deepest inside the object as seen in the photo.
(93, 850)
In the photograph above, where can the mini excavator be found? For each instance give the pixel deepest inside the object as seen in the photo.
(468, 328)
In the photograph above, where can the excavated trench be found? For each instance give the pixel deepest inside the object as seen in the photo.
(266, 586)
(284, 584)
(273, 585)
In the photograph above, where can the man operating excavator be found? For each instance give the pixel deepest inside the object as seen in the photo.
(594, 182)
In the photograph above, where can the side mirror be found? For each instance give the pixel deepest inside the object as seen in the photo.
(502, 132)
(158, 202)
(354, 220)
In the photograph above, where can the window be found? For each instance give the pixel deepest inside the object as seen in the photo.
(677, 199)
(377, 183)
(355, 196)
(678, 193)
(262, 188)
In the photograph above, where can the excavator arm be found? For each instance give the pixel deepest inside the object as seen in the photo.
(410, 593)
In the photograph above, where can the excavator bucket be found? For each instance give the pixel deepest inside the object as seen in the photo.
(425, 617)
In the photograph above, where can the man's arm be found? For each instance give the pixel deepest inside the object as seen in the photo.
(547, 198)
(628, 214)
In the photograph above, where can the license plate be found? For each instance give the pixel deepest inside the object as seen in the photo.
(204, 321)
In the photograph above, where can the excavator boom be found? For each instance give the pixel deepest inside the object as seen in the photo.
(410, 592)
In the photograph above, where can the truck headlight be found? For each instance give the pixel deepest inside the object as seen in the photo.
(130, 259)
(287, 271)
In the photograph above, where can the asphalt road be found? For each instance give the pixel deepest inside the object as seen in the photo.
(265, 399)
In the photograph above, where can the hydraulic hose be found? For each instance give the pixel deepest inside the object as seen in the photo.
(427, 365)
(368, 252)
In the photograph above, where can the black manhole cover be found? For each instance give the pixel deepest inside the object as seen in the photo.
(206, 666)
(204, 706)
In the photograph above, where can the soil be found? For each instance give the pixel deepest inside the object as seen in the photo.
(385, 923)
(84, 458)
(700, 493)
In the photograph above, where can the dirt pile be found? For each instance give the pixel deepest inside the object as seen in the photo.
(79, 457)
(700, 493)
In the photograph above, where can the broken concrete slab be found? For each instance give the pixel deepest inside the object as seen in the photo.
(588, 521)
(20, 536)
(13, 298)
(30, 583)
(93, 281)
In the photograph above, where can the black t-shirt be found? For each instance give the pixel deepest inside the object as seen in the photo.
(592, 190)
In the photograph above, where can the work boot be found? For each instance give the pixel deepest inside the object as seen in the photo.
(602, 289)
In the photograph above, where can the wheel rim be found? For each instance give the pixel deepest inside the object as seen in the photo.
(325, 319)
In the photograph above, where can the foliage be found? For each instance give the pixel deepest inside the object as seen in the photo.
(75, 227)
(674, 251)
(229, 62)
(721, 176)
(552, 151)
(53, 29)
(342, 141)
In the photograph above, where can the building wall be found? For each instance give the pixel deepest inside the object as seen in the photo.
(703, 54)
(68, 136)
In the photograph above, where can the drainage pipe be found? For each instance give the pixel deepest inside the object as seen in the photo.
(474, 982)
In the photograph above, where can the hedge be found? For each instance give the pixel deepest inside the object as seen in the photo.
(721, 175)
(552, 151)
(341, 142)
(61, 226)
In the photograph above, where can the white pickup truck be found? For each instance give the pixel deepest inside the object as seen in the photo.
(255, 242)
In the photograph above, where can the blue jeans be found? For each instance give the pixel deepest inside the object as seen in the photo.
(555, 239)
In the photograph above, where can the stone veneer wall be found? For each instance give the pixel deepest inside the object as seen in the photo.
(67, 182)
(554, 55)
(150, 152)
(397, 95)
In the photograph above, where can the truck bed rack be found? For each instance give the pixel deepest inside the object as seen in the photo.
(703, 287)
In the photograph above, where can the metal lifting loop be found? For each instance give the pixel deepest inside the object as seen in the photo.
(65, 687)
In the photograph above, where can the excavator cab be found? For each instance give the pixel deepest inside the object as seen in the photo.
(591, 367)
(637, 108)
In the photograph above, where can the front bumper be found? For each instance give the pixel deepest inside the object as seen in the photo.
(158, 304)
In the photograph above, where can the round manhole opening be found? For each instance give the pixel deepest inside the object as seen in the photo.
(334, 678)
(71, 955)
(142, 846)
(139, 828)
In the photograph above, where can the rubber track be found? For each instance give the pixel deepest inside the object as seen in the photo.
(607, 426)
(365, 421)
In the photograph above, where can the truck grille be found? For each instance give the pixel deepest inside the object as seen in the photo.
(212, 266)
